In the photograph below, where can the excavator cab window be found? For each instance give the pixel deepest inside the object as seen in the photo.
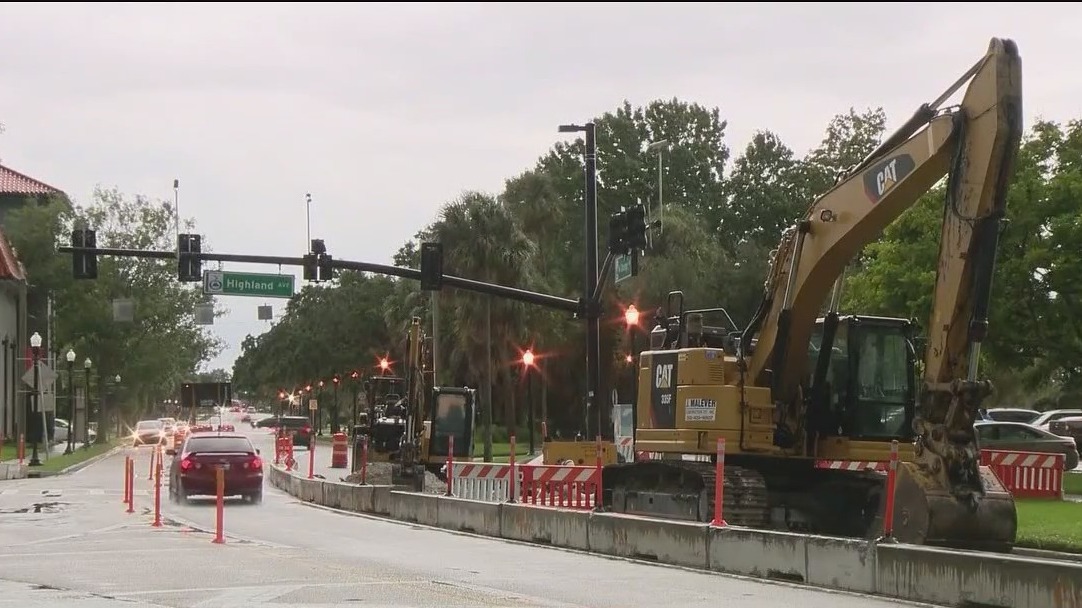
(452, 416)
(871, 381)
(882, 397)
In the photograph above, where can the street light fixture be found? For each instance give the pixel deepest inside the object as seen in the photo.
(659, 146)
(35, 353)
(86, 403)
(71, 401)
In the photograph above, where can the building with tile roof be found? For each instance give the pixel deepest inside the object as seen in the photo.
(23, 309)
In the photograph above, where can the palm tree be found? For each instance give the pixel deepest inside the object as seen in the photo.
(483, 242)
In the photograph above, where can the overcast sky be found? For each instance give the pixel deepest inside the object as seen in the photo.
(385, 112)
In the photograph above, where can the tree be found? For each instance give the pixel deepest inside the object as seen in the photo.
(162, 344)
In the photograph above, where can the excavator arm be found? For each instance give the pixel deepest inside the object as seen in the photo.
(974, 144)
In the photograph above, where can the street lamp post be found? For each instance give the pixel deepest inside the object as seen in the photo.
(86, 403)
(356, 376)
(35, 354)
(593, 307)
(71, 401)
(631, 318)
(527, 364)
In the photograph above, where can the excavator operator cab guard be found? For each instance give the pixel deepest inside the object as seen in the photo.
(868, 390)
(452, 415)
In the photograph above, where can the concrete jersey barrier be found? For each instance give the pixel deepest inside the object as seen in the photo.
(914, 573)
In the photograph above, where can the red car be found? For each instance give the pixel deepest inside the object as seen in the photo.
(193, 470)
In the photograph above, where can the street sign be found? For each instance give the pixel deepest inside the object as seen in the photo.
(46, 376)
(313, 404)
(260, 285)
(623, 267)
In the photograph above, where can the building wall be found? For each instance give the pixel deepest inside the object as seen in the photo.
(12, 334)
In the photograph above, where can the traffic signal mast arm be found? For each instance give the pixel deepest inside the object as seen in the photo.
(500, 291)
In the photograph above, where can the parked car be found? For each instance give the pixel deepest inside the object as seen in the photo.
(61, 428)
(297, 425)
(1013, 414)
(1044, 419)
(148, 432)
(1070, 426)
(1025, 438)
(193, 471)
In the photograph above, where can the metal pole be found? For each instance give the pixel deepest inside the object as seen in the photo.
(530, 406)
(308, 219)
(435, 338)
(353, 412)
(71, 408)
(634, 386)
(86, 408)
(593, 308)
(102, 402)
(334, 412)
(34, 461)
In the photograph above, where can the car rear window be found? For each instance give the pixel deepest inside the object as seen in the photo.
(149, 424)
(293, 422)
(219, 444)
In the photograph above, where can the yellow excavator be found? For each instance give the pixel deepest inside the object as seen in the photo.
(431, 416)
(809, 404)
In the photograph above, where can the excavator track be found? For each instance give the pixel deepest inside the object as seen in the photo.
(684, 490)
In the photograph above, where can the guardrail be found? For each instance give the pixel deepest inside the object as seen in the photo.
(914, 573)
(573, 487)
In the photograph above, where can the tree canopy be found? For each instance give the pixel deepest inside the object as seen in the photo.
(162, 345)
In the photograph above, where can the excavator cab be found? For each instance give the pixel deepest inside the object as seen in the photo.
(453, 414)
(863, 379)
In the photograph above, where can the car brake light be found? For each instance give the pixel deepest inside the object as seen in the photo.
(255, 463)
(186, 464)
(306, 429)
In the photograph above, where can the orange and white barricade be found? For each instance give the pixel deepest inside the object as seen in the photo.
(1027, 474)
(486, 482)
(569, 487)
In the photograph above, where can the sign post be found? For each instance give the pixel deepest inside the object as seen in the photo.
(254, 284)
(622, 269)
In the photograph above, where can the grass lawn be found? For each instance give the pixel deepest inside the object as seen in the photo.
(58, 462)
(1050, 524)
(1072, 483)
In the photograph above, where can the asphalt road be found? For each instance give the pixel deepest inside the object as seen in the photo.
(68, 542)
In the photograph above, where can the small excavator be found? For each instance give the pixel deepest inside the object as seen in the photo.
(432, 417)
(809, 403)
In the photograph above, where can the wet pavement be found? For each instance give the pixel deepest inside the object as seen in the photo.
(68, 542)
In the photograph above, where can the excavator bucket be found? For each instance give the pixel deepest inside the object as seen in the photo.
(926, 513)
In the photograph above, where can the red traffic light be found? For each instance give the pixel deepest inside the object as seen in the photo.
(308, 388)
(355, 375)
(281, 394)
(528, 358)
(629, 358)
(321, 383)
(336, 380)
(384, 364)
(631, 316)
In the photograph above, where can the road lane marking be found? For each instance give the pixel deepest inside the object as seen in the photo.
(102, 552)
(302, 585)
(247, 596)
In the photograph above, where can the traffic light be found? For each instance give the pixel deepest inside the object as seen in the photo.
(84, 265)
(336, 379)
(431, 266)
(311, 267)
(326, 268)
(618, 232)
(636, 228)
(189, 267)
